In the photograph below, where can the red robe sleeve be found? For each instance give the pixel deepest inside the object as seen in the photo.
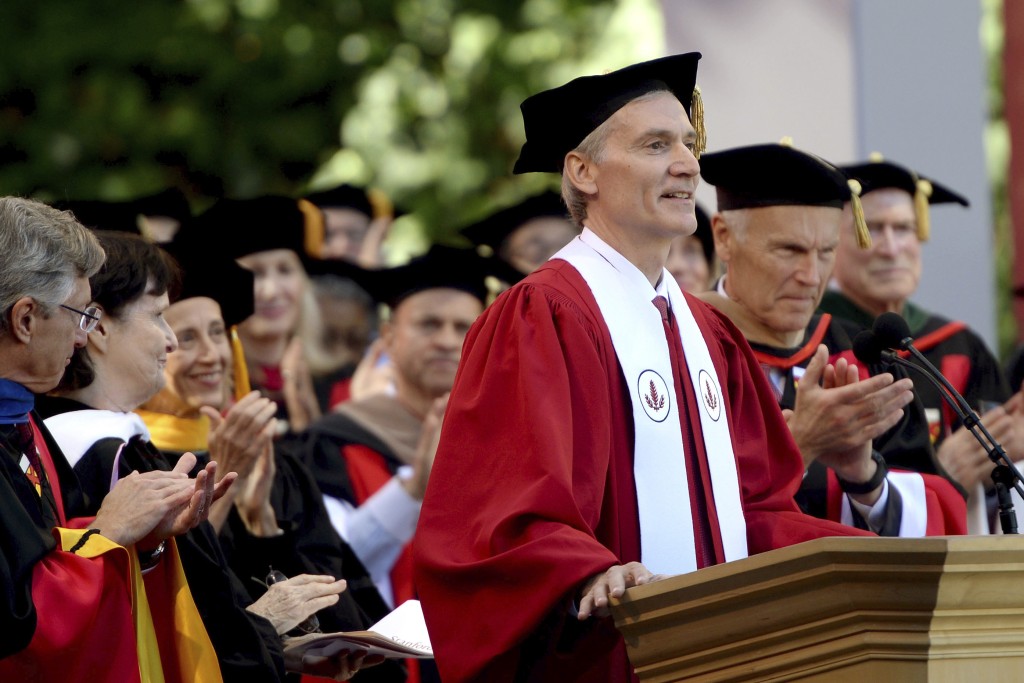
(525, 499)
(85, 630)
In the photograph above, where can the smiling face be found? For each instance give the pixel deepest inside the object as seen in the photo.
(198, 371)
(779, 261)
(883, 277)
(280, 282)
(643, 183)
(139, 341)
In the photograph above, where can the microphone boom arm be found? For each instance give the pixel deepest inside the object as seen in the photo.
(1006, 473)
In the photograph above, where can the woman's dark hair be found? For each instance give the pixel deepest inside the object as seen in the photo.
(132, 263)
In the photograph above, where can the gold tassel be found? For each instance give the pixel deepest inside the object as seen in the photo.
(382, 206)
(697, 119)
(786, 141)
(922, 194)
(313, 235)
(860, 226)
(876, 157)
(239, 370)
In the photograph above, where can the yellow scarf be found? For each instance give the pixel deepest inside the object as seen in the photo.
(173, 433)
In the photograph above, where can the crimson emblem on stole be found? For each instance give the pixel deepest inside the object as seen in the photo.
(710, 396)
(654, 395)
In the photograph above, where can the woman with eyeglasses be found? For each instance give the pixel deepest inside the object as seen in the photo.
(90, 414)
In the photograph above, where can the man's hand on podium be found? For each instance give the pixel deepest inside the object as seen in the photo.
(611, 583)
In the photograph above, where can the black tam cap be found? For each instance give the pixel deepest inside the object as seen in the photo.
(877, 174)
(558, 120)
(773, 175)
(343, 197)
(239, 227)
(124, 216)
(780, 175)
(440, 268)
(496, 228)
(171, 203)
(101, 215)
(215, 275)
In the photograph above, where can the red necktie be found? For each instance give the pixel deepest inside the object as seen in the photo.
(702, 524)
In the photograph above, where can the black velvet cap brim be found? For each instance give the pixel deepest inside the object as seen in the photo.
(773, 175)
(877, 175)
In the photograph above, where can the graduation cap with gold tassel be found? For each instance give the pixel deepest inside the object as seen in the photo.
(877, 174)
(779, 175)
(559, 119)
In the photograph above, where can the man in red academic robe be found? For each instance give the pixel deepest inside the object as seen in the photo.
(778, 241)
(604, 427)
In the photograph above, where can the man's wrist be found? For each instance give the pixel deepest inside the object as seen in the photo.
(149, 558)
(862, 485)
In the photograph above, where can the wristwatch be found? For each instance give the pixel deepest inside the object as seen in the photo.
(871, 484)
(149, 558)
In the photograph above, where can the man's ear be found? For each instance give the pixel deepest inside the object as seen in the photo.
(99, 338)
(24, 319)
(581, 172)
(723, 235)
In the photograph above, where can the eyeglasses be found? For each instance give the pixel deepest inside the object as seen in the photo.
(90, 317)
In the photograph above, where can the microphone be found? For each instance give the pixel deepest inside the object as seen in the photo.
(868, 348)
(890, 331)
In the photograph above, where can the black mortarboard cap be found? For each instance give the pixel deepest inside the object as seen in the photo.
(441, 267)
(239, 227)
(773, 175)
(123, 216)
(343, 196)
(558, 120)
(495, 228)
(877, 174)
(171, 203)
(209, 273)
(102, 215)
(780, 175)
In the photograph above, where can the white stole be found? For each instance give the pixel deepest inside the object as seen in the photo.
(77, 431)
(914, 519)
(625, 296)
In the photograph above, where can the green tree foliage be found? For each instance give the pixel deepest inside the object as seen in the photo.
(104, 99)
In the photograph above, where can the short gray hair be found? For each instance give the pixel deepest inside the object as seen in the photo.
(42, 252)
(592, 147)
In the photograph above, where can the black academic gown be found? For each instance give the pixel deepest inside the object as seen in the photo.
(247, 645)
(952, 347)
(904, 446)
(309, 545)
(25, 536)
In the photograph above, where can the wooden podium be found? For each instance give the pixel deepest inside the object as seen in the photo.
(865, 610)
